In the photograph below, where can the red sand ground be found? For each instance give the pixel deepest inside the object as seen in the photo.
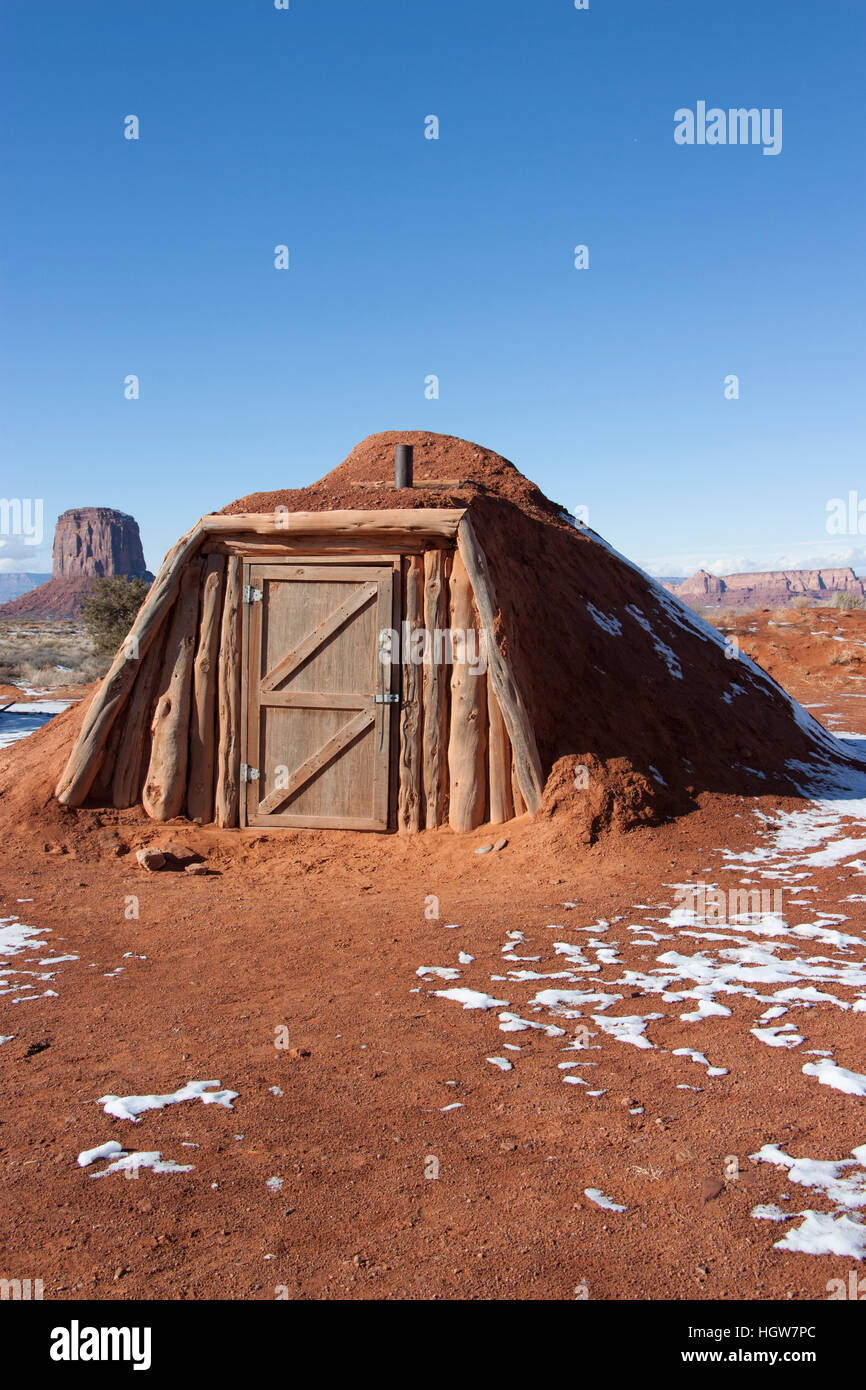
(11, 693)
(808, 651)
(323, 933)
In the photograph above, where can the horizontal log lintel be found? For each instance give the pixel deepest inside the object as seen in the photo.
(435, 522)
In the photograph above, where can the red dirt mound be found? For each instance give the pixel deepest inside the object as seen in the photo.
(614, 668)
(620, 677)
(469, 469)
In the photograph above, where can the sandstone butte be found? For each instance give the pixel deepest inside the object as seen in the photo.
(89, 543)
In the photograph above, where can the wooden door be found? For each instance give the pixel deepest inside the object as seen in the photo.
(320, 741)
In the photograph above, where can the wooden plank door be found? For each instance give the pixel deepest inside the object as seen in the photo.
(320, 741)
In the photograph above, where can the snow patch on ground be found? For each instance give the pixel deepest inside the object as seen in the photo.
(15, 936)
(153, 1160)
(109, 1150)
(472, 998)
(131, 1107)
(629, 1029)
(596, 1195)
(768, 1211)
(829, 1074)
(778, 1037)
(700, 1059)
(839, 1232)
(822, 1234)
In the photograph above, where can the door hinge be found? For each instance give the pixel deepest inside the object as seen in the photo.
(252, 595)
(249, 774)
(387, 699)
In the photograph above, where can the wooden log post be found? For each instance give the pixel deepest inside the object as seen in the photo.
(516, 794)
(498, 760)
(530, 775)
(435, 697)
(388, 527)
(410, 790)
(467, 740)
(100, 787)
(133, 756)
(164, 791)
(83, 765)
(202, 729)
(227, 806)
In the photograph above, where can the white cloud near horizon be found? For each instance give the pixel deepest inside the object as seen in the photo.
(807, 555)
(16, 557)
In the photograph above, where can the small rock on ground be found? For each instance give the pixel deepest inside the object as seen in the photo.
(151, 859)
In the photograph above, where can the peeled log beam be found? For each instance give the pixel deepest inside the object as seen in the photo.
(134, 754)
(425, 521)
(109, 699)
(467, 742)
(434, 761)
(386, 547)
(499, 761)
(164, 789)
(229, 751)
(409, 797)
(202, 729)
(527, 762)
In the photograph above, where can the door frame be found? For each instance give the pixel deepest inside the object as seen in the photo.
(251, 618)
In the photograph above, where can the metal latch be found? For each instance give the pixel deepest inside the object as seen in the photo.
(249, 774)
(252, 595)
(387, 699)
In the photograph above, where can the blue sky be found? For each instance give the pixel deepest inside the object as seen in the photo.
(453, 257)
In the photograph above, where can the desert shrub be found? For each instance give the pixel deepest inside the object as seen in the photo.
(110, 610)
(847, 601)
(721, 618)
(844, 656)
(49, 677)
(729, 621)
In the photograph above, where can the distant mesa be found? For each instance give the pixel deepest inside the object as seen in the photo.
(14, 585)
(767, 588)
(89, 543)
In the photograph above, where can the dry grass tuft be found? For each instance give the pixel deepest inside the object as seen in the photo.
(46, 655)
(846, 656)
